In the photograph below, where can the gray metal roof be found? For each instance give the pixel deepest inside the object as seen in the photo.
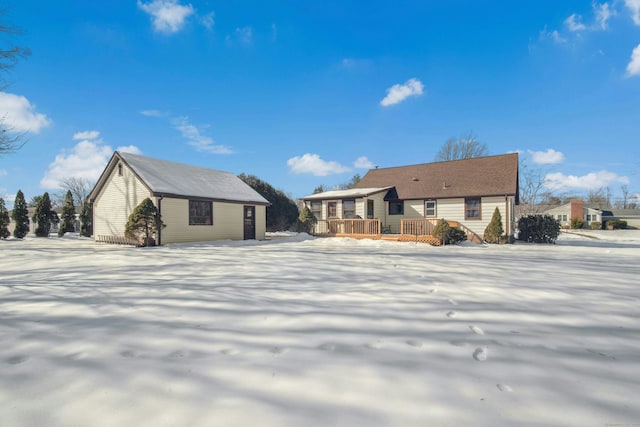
(177, 179)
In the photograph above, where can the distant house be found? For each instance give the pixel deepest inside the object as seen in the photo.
(195, 203)
(576, 208)
(462, 191)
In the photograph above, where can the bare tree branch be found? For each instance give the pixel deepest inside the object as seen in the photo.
(465, 147)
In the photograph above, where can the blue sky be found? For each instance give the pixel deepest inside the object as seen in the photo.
(302, 93)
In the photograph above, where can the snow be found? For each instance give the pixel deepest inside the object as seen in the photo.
(298, 331)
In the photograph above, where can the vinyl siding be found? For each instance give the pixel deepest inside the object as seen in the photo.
(227, 222)
(453, 210)
(116, 201)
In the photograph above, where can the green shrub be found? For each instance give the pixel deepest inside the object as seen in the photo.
(306, 220)
(538, 229)
(144, 222)
(596, 225)
(616, 224)
(576, 223)
(447, 234)
(493, 232)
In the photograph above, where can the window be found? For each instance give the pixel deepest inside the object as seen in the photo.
(200, 213)
(564, 218)
(332, 209)
(559, 218)
(396, 207)
(472, 208)
(120, 169)
(316, 208)
(430, 208)
(349, 208)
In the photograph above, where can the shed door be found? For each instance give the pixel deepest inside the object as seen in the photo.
(249, 223)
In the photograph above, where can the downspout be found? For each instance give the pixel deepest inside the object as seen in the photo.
(160, 216)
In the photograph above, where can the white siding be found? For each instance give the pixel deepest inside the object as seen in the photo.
(261, 222)
(453, 210)
(118, 198)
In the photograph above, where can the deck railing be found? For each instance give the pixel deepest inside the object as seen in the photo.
(417, 227)
(360, 227)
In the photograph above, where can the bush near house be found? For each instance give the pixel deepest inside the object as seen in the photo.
(447, 234)
(616, 224)
(538, 229)
(596, 225)
(494, 231)
(306, 220)
(144, 223)
(576, 223)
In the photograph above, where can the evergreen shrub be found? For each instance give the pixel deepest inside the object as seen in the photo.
(538, 229)
(493, 232)
(448, 235)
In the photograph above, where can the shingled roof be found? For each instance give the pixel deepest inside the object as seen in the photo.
(480, 176)
(171, 179)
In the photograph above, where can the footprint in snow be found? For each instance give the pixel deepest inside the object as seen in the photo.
(229, 351)
(374, 345)
(452, 302)
(504, 387)
(327, 347)
(476, 330)
(128, 354)
(16, 360)
(452, 314)
(434, 290)
(278, 350)
(414, 343)
(177, 354)
(480, 354)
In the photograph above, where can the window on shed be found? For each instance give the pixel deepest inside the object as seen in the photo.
(396, 207)
(332, 209)
(316, 208)
(472, 208)
(349, 208)
(200, 213)
(430, 208)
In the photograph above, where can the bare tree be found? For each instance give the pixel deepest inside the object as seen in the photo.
(601, 198)
(531, 189)
(624, 203)
(10, 141)
(465, 147)
(79, 187)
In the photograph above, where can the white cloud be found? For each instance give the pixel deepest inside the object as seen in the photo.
(634, 8)
(153, 113)
(603, 12)
(242, 36)
(207, 20)
(363, 163)
(591, 181)
(86, 160)
(9, 199)
(88, 134)
(399, 92)
(313, 164)
(196, 139)
(19, 114)
(553, 35)
(574, 23)
(168, 16)
(129, 149)
(548, 157)
(633, 68)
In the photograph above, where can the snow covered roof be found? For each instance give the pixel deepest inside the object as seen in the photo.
(165, 178)
(345, 194)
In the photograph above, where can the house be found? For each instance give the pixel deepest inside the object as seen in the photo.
(576, 208)
(465, 192)
(195, 203)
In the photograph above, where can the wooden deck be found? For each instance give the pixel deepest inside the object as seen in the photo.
(411, 230)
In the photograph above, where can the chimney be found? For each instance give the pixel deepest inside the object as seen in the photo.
(577, 209)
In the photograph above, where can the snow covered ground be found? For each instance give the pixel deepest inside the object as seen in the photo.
(321, 332)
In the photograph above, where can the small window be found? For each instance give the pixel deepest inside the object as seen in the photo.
(472, 208)
(396, 207)
(332, 209)
(559, 217)
(119, 169)
(564, 218)
(200, 213)
(349, 208)
(430, 208)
